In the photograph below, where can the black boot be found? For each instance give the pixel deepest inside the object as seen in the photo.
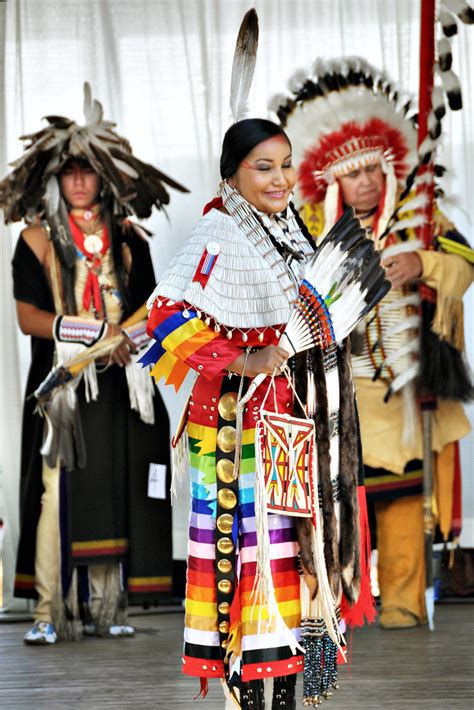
(252, 696)
(284, 692)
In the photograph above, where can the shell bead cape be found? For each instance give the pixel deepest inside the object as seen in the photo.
(250, 285)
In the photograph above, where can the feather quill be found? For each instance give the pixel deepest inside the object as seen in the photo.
(437, 101)
(445, 56)
(243, 67)
(87, 102)
(452, 88)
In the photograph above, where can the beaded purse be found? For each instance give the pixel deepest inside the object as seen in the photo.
(286, 449)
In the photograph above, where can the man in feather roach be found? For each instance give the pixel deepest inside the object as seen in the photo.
(354, 141)
(91, 540)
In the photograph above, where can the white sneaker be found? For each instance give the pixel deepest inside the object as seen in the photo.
(121, 631)
(42, 632)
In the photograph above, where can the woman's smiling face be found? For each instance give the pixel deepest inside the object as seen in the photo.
(266, 177)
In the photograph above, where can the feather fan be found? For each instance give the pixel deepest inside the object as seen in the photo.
(243, 67)
(342, 282)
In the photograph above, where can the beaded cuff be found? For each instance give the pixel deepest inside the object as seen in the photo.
(138, 334)
(74, 329)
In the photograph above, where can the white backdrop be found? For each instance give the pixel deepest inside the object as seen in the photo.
(162, 70)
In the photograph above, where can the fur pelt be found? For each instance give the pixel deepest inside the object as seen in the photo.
(349, 540)
(341, 550)
(304, 535)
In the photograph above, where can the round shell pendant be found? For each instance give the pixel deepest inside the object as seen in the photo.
(93, 243)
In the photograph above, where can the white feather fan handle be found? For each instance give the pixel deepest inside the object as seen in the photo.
(256, 382)
(243, 67)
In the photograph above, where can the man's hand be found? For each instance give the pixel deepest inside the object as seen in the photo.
(121, 355)
(403, 268)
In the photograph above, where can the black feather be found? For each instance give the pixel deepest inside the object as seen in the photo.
(445, 58)
(467, 16)
(448, 23)
(455, 99)
(344, 226)
(376, 293)
(462, 10)
(60, 122)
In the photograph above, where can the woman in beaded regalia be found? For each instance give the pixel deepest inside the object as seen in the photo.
(219, 310)
(265, 582)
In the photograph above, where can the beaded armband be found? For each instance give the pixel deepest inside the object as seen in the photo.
(138, 334)
(74, 329)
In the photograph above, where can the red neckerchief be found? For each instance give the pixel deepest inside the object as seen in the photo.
(216, 203)
(92, 288)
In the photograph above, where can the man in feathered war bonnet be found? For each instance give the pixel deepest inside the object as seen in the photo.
(354, 141)
(91, 541)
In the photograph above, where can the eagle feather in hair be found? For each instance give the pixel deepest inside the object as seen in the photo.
(243, 67)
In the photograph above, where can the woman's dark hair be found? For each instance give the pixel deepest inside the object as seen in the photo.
(241, 138)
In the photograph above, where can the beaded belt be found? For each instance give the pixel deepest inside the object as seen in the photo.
(227, 500)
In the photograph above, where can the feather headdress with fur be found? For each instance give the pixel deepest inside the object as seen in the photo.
(32, 187)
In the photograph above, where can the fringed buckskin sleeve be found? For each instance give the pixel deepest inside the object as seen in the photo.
(450, 275)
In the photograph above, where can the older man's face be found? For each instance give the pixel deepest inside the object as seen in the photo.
(362, 188)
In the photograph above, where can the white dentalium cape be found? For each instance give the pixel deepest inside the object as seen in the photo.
(250, 285)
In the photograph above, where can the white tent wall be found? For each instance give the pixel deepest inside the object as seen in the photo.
(162, 71)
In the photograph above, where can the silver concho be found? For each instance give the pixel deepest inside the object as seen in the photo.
(93, 243)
